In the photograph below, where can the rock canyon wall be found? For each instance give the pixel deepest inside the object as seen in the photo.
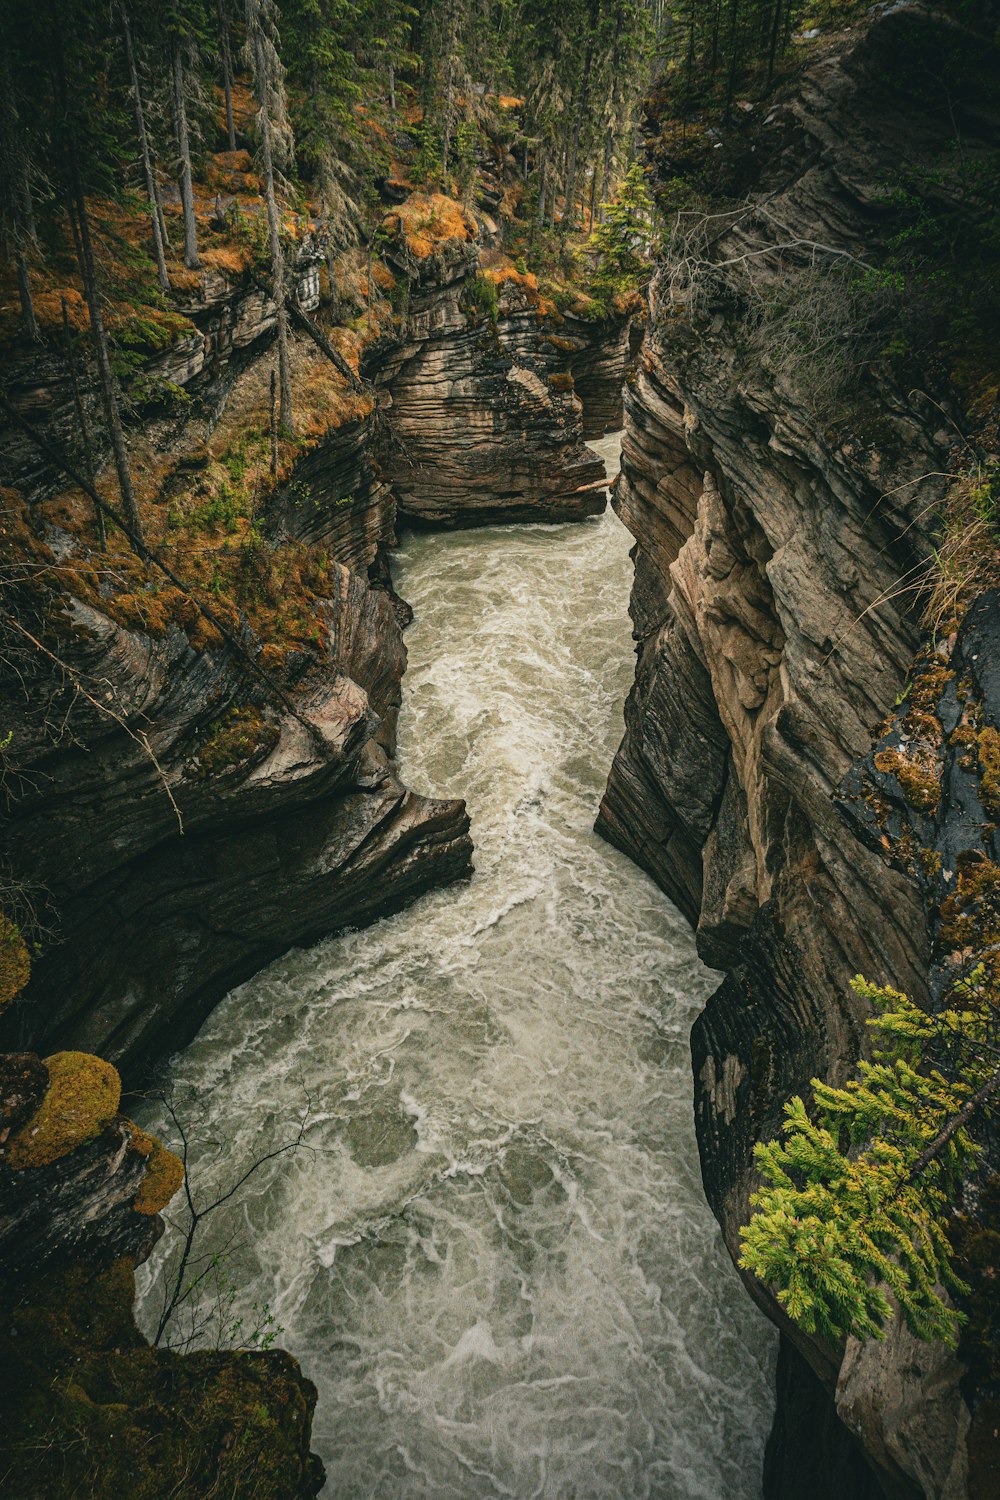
(776, 527)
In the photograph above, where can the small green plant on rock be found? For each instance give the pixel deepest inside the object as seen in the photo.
(482, 300)
(855, 1202)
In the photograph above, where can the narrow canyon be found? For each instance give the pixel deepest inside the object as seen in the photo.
(500, 746)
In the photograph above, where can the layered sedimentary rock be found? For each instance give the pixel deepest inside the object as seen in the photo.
(597, 352)
(485, 423)
(772, 538)
(213, 800)
(179, 857)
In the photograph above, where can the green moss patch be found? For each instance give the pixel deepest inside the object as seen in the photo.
(81, 1099)
(90, 1410)
(15, 961)
(919, 786)
(242, 738)
(164, 1172)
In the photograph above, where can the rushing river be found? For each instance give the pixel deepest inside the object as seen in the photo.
(492, 1253)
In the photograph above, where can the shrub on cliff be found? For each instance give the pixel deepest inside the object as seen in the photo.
(855, 1203)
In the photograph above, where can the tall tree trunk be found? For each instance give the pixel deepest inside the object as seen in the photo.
(274, 238)
(191, 259)
(15, 192)
(29, 323)
(581, 114)
(89, 466)
(609, 145)
(449, 94)
(392, 88)
(732, 36)
(226, 58)
(164, 236)
(80, 225)
(543, 174)
(109, 396)
(147, 159)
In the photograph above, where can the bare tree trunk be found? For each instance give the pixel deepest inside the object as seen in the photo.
(274, 426)
(18, 210)
(449, 95)
(543, 169)
(80, 225)
(392, 88)
(226, 58)
(164, 236)
(147, 160)
(191, 259)
(581, 114)
(92, 294)
(89, 466)
(29, 323)
(274, 239)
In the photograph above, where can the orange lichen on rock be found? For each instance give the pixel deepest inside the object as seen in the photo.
(508, 276)
(15, 961)
(920, 786)
(164, 1172)
(427, 220)
(989, 769)
(81, 1099)
(970, 915)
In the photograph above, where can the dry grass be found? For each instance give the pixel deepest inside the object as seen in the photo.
(428, 220)
(967, 560)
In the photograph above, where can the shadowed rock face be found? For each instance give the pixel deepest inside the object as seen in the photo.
(307, 834)
(765, 534)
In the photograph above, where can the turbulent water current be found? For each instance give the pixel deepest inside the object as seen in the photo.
(491, 1251)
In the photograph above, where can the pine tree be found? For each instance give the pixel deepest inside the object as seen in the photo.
(274, 134)
(855, 1204)
(622, 240)
(148, 164)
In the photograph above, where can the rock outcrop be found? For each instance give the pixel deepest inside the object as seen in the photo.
(485, 422)
(214, 800)
(774, 629)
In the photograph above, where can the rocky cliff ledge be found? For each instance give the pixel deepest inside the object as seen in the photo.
(777, 525)
(225, 790)
(486, 425)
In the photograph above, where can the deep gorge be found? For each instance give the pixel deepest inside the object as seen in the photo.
(494, 1257)
(301, 783)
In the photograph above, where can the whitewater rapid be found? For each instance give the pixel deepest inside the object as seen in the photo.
(492, 1253)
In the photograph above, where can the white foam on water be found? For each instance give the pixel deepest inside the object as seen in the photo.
(494, 1257)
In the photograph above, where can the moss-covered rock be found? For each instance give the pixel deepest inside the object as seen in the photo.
(91, 1410)
(81, 1099)
(15, 960)
(164, 1172)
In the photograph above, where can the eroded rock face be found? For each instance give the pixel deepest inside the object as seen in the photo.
(772, 636)
(485, 422)
(308, 834)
